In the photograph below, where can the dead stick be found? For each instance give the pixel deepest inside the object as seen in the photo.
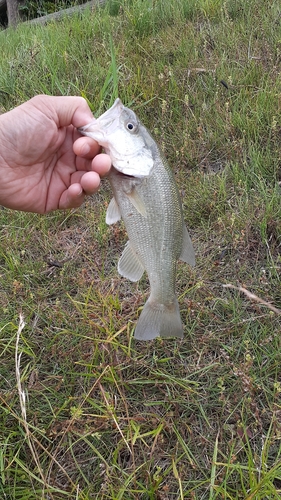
(252, 296)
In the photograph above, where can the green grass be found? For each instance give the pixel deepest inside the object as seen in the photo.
(108, 417)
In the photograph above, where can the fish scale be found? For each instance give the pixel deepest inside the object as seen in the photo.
(147, 198)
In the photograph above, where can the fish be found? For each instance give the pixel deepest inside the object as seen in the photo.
(146, 197)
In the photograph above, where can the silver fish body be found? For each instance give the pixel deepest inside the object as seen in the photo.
(149, 203)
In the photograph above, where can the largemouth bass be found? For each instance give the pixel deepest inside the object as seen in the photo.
(147, 198)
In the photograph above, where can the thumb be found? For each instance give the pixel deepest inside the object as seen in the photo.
(64, 110)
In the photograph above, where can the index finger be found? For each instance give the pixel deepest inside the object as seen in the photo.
(86, 147)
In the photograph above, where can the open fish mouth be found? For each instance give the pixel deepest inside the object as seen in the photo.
(106, 124)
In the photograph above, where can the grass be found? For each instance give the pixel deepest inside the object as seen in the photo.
(108, 417)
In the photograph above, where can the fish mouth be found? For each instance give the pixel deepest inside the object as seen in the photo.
(128, 155)
(123, 175)
(105, 125)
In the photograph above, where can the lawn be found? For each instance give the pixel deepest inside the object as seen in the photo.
(87, 412)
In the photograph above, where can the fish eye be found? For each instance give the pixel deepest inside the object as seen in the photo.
(132, 126)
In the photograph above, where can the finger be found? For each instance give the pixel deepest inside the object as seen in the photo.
(101, 164)
(86, 147)
(83, 184)
(89, 181)
(71, 198)
(64, 110)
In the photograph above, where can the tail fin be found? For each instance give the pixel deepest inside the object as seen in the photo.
(159, 320)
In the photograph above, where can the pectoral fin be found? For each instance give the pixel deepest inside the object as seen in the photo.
(129, 264)
(187, 253)
(113, 213)
(137, 202)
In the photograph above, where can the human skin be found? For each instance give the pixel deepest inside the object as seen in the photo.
(45, 163)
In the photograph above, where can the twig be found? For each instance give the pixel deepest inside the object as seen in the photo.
(17, 364)
(22, 399)
(252, 296)
(55, 16)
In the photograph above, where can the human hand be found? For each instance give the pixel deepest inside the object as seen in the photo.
(45, 164)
